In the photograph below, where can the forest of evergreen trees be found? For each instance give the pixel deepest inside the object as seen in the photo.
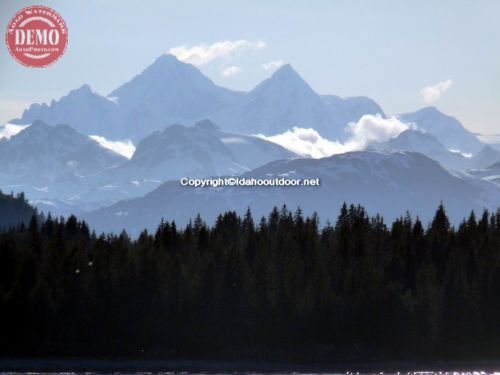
(14, 209)
(282, 287)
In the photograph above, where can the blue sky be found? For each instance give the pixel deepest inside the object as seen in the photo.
(388, 50)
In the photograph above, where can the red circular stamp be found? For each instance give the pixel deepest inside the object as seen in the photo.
(36, 36)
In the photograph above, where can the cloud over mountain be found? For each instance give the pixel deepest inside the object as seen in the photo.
(369, 129)
(201, 54)
(431, 94)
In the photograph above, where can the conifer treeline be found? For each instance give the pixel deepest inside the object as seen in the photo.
(14, 210)
(280, 288)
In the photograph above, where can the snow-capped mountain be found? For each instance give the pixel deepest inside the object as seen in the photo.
(427, 144)
(44, 154)
(387, 183)
(448, 130)
(167, 92)
(200, 150)
(250, 151)
(64, 171)
(178, 151)
(170, 91)
(285, 100)
(52, 164)
(83, 109)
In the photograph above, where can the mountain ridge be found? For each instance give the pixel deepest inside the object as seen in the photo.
(170, 91)
(285, 100)
(386, 183)
(447, 129)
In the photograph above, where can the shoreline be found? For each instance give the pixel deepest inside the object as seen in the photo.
(219, 366)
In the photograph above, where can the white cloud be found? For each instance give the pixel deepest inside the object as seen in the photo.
(125, 148)
(9, 130)
(306, 142)
(204, 53)
(369, 129)
(231, 71)
(272, 65)
(433, 93)
(374, 128)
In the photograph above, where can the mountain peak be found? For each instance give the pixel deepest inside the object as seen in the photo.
(207, 125)
(39, 124)
(429, 110)
(447, 129)
(165, 71)
(165, 62)
(41, 127)
(285, 68)
(286, 72)
(168, 91)
(159, 77)
(166, 58)
(168, 64)
(84, 89)
(285, 79)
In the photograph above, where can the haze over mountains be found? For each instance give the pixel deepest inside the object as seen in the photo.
(63, 170)
(43, 154)
(166, 92)
(200, 150)
(86, 111)
(285, 100)
(384, 182)
(429, 145)
(170, 91)
(447, 129)
(184, 125)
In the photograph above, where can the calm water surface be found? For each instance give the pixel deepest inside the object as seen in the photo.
(253, 373)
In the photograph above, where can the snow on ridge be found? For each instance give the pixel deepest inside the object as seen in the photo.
(113, 99)
(464, 154)
(125, 148)
(7, 131)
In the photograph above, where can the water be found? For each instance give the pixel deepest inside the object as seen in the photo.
(430, 372)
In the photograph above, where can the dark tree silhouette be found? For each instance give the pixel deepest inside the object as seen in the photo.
(286, 288)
